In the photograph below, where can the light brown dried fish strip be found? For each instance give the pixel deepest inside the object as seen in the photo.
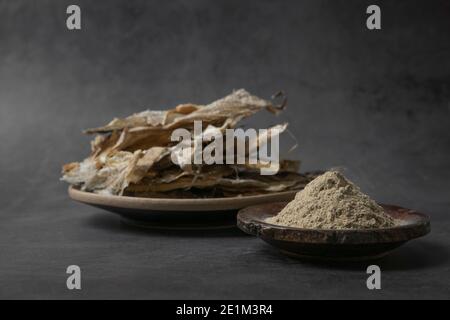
(238, 104)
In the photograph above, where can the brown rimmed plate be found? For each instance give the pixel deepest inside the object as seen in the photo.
(208, 213)
(324, 244)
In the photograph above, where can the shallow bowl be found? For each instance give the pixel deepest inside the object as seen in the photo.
(327, 244)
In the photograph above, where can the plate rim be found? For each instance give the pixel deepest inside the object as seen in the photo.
(181, 205)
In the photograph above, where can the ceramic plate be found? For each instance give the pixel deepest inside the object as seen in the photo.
(176, 213)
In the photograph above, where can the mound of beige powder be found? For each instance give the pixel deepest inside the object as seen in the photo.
(332, 202)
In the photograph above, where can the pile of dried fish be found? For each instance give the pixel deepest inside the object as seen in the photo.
(132, 156)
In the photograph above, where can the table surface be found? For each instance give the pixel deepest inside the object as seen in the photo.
(120, 261)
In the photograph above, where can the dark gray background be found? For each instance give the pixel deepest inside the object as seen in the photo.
(376, 103)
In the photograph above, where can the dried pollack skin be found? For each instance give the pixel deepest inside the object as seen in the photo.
(237, 105)
(132, 156)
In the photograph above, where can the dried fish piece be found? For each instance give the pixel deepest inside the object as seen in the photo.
(141, 119)
(143, 165)
(285, 166)
(120, 179)
(102, 145)
(236, 105)
(91, 177)
(79, 173)
(142, 138)
(275, 183)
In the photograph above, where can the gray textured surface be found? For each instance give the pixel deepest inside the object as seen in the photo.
(375, 103)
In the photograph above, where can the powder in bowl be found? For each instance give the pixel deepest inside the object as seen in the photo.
(332, 202)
